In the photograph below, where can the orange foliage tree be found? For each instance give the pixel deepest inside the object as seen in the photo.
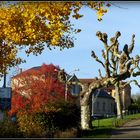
(32, 26)
(35, 88)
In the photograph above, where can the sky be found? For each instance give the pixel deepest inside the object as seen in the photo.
(122, 16)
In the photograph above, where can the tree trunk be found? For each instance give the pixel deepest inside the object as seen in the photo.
(86, 121)
(119, 109)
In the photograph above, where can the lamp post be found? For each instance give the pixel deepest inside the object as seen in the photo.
(66, 84)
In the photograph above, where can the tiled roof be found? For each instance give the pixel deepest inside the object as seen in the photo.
(38, 67)
(102, 93)
(72, 78)
(89, 81)
(33, 68)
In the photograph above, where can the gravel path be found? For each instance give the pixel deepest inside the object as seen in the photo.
(129, 130)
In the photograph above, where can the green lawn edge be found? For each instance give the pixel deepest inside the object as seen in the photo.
(102, 128)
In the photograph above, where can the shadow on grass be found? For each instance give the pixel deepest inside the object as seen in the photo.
(102, 132)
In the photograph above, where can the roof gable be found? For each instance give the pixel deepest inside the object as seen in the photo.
(73, 78)
(102, 94)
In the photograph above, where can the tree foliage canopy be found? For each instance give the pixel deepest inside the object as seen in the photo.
(36, 25)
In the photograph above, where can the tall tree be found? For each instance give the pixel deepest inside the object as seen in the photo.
(118, 66)
(32, 26)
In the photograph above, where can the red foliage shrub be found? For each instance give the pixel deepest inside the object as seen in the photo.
(34, 88)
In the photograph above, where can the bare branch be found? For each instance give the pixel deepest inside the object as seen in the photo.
(127, 83)
(96, 58)
(114, 39)
(136, 62)
(122, 76)
(107, 63)
(114, 42)
(124, 59)
(99, 35)
(117, 54)
(112, 66)
(103, 54)
(100, 74)
(113, 62)
(132, 44)
(135, 74)
(126, 51)
(103, 38)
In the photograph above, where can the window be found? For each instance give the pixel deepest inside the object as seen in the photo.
(75, 89)
(98, 108)
(72, 89)
(104, 106)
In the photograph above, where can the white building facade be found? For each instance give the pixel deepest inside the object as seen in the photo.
(103, 104)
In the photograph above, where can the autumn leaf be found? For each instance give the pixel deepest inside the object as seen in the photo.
(34, 89)
(100, 13)
(31, 23)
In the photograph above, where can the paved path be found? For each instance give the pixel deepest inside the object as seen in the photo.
(129, 130)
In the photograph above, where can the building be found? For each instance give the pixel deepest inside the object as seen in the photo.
(103, 104)
(74, 88)
(109, 92)
(17, 81)
(125, 94)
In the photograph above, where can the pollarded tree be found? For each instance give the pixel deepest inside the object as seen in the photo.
(32, 26)
(118, 66)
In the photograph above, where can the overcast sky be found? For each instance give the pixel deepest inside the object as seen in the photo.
(123, 17)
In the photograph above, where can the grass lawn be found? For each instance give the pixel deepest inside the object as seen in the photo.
(102, 128)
